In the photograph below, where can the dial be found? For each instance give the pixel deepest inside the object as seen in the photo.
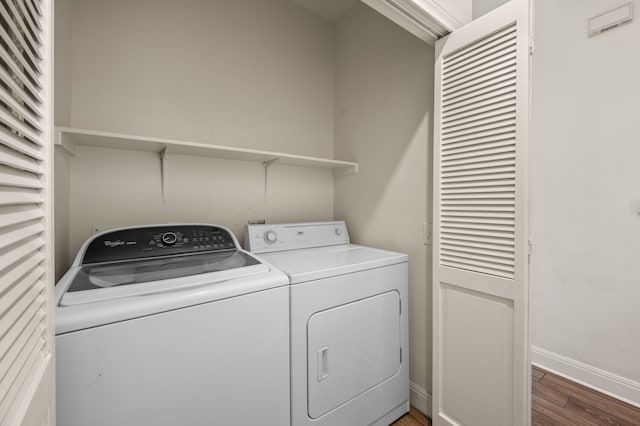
(338, 231)
(270, 237)
(169, 238)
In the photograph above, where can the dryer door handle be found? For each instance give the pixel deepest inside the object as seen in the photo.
(323, 363)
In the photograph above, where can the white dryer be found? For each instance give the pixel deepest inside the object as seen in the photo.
(171, 325)
(349, 332)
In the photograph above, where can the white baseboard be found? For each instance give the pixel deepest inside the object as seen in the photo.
(420, 399)
(592, 377)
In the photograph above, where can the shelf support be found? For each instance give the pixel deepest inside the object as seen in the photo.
(266, 165)
(344, 171)
(66, 142)
(164, 157)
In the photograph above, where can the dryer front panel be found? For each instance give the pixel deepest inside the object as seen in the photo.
(346, 335)
(350, 349)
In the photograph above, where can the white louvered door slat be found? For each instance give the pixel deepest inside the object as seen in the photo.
(22, 268)
(18, 178)
(19, 214)
(480, 47)
(26, 279)
(27, 97)
(15, 196)
(22, 145)
(481, 71)
(19, 335)
(8, 9)
(494, 102)
(19, 56)
(20, 125)
(499, 52)
(20, 35)
(33, 21)
(18, 161)
(31, 87)
(36, 7)
(20, 109)
(25, 363)
(22, 233)
(481, 342)
(15, 292)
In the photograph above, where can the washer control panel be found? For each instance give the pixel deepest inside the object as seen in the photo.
(154, 241)
(266, 238)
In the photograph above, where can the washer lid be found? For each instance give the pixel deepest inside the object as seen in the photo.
(323, 262)
(98, 282)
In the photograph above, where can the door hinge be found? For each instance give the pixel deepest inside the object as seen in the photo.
(529, 249)
(400, 355)
(532, 45)
(400, 306)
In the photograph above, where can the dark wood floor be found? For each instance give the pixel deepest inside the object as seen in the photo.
(557, 401)
(412, 418)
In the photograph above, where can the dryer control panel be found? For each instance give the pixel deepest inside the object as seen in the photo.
(156, 241)
(266, 238)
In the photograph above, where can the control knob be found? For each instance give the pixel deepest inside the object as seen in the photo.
(270, 237)
(169, 238)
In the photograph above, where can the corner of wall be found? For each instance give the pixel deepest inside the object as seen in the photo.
(62, 62)
(61, 193)
(420, 399)
(383, 109)
(62, 117)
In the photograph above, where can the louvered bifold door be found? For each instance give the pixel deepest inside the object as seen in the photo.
(481, 342)
(26, 335)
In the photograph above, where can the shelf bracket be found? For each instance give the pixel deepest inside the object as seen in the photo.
(344, 171)
(66, 142)
(164, 157)
(266, 165)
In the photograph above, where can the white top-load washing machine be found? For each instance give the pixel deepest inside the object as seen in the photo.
(171, 325)
(349, 334)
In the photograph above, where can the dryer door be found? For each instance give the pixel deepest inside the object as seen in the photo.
(351, 349)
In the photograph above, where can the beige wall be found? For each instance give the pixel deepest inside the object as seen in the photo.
(586, 197)
(384, 104)
(62, 116)
(61, 193)
(252, 73)
(62, 61)
(482, 7)
(112, 188)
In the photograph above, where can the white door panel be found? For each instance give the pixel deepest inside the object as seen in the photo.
(351, 349)
(481, 341)
(26, 230)
(478, 328)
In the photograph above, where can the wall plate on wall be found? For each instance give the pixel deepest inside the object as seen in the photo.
(609, 20)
